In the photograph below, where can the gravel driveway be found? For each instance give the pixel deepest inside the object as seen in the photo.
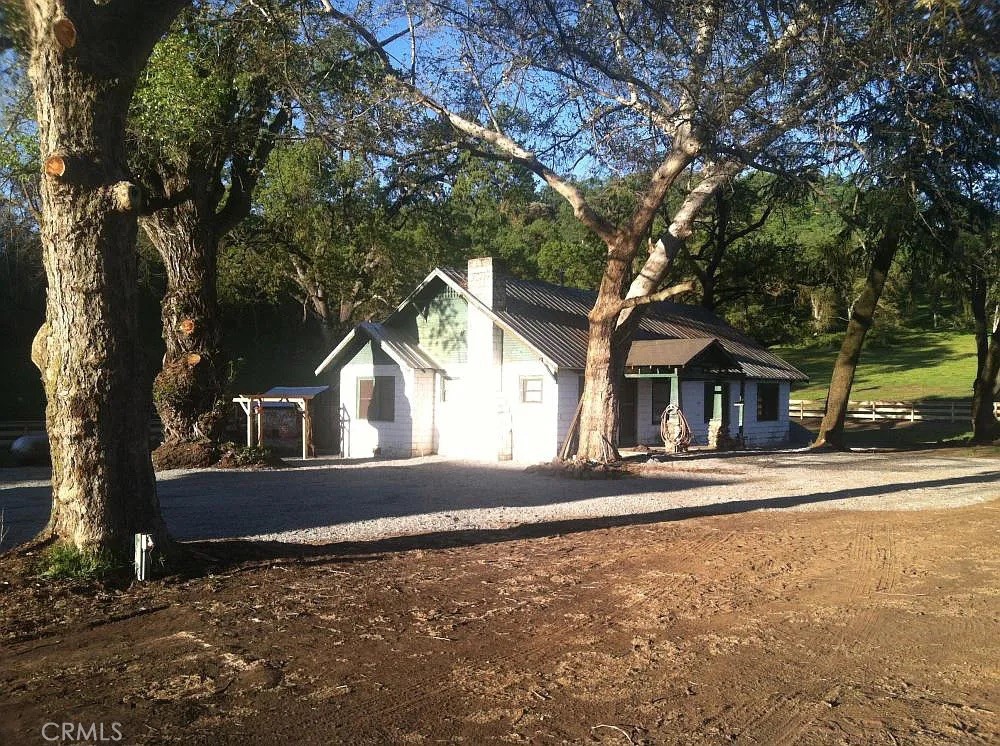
(337, 500)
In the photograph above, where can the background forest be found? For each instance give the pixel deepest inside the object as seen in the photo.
(327, 246)
(337, 222)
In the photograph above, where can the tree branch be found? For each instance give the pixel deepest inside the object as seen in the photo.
(670, 292)
(502, 146)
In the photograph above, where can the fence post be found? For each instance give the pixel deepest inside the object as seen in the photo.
(952, 412)
(874, 411)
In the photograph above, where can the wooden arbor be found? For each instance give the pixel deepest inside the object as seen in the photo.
(253, 406)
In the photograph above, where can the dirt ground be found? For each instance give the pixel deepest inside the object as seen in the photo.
(778, 627)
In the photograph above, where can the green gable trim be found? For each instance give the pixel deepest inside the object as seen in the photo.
(438, 322)
(515, 351)
(371, 353)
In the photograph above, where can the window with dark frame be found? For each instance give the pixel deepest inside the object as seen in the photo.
(531, 389)
(767, 401)
(661, 398)
(377, 399)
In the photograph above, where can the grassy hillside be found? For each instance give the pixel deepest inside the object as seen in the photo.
(915, 365)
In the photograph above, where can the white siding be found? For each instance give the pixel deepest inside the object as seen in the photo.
(648, 433)
(468, 421)
(421, 397)
(533, 425)
(449, 403)
(410, 431)
(758, 434)
(693, 405)
(568, 385)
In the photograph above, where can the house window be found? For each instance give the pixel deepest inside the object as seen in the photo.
(531, 389)
(377, 399)
(661, 398)
(767, 401)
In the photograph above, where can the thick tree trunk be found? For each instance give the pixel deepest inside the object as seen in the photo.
(708, 292)
(831, 431)
(985, 428)
(189, 390)
(612, 329)
(88, 349)
(599, 403)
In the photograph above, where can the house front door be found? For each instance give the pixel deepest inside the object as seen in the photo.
(627, 433)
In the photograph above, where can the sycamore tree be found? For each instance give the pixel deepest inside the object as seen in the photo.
(680, 96)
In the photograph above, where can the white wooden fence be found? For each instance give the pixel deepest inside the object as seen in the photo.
(928, 410)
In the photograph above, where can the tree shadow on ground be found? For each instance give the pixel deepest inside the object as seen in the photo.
(218, 504)
(211, 556)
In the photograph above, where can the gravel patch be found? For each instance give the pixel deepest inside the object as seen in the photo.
(333, 500)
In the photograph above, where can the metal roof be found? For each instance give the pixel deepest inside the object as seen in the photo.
(670, 352)
(296, 392)
(405, 351)
(553, 319)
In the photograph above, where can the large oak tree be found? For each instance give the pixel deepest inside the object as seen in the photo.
(84, 62)
(206, 115)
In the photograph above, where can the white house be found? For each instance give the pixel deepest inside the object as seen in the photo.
(480, 365)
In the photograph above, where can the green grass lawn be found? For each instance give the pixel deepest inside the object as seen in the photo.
(915, 365)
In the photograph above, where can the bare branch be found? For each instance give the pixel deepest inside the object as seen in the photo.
(660, 295)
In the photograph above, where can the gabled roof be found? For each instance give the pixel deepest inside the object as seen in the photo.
(677, 353)
(553, 320)
(404, 351)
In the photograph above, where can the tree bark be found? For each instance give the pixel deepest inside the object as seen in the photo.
(192, 214)
(985, 428)
(599, 403)
(189, 389)
(88, 349)
(613, 323)
(831, 431)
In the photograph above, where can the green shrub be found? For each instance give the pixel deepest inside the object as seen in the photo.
(62, 561)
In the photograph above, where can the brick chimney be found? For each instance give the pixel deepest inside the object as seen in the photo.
(485, 357)
(486, 282)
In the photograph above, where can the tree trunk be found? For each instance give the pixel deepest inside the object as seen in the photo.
(189, 389)
(599, 403)
(83, 71)
(612, 329)
(708, 292)
(831, 431)
(985, 428)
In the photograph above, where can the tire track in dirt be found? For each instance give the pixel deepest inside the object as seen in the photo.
(370, 713)
(783, 718)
